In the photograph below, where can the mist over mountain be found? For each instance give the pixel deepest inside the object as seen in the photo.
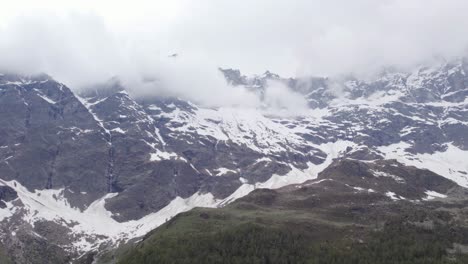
(221, 132)
(91, 45)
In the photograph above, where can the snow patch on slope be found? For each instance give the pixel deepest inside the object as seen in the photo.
(242, 126)
(8, 211)
(376, 99)
(433, 195)
(222, 171)
(384, 174)
(295, 176)
(392, 196)
(162, 155)
(47, 99)
(451, 163)
(88, 106)
(89, 226)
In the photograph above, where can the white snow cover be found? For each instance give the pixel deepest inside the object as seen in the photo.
(88, 106)
(8, 211)
(243, 126)
(295, 176)
(263, 159)
(47, 99)
(95, 220)
(432, 195)
(222, 171)
(377, 173)
(374, 100)
(118, 130)
(451, 163)
(392, 196)
(162, 155)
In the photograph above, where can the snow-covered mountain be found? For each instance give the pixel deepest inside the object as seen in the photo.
(86, 171)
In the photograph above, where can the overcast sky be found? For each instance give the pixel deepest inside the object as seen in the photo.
(81, 42)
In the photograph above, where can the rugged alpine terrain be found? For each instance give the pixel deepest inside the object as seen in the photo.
(354, 212)
(83, 172)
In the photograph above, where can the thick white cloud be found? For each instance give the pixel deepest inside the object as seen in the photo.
(278, 99)
(83, 42)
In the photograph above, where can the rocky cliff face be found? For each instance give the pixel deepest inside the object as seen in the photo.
(103, 166)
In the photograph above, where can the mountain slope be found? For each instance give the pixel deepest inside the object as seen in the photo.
(94, 169)
(410, 216)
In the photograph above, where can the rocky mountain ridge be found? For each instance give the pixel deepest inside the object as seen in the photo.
(103, 166)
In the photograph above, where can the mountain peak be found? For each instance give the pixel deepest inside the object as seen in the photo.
(19, 79)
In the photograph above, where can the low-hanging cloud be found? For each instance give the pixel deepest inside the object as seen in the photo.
(280, 100)
(81, 51)
(300, 38)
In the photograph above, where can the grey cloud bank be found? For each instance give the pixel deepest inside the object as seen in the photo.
(293, 38)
